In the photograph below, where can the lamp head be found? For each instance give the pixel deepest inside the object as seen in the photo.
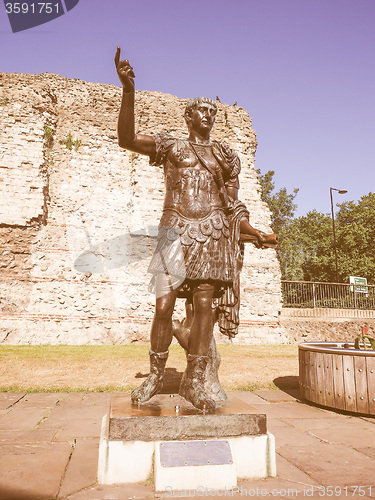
(340, 191)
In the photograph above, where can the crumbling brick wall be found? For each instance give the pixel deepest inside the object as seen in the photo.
(78, 215)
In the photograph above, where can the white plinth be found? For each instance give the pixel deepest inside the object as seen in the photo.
(123, 461)
(132, 461)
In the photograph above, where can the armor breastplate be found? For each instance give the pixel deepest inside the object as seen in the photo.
(190, 188)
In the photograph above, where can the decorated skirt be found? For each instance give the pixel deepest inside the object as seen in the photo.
(194, 250)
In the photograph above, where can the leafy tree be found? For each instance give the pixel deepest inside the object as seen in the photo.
(316, 243)
(356, 237)
(281, 204)
(306, 250)
(290, 253)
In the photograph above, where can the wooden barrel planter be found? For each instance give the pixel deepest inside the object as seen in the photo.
(337, 375)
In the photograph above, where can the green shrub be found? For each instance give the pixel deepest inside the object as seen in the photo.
(71, 142)
(77, 143)
(48, 132)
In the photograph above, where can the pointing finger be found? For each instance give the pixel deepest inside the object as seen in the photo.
(117, 56)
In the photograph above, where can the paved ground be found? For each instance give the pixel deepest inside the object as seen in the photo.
(49, 449)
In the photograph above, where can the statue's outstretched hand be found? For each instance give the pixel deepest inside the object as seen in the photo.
(267, 240)
(125, 72)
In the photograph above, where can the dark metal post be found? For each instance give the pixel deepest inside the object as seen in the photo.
(334, 234)
(340, 191)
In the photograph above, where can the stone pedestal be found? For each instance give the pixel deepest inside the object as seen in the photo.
(182, 447)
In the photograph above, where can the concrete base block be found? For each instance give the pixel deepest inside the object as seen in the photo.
(123, 461)
(254, 456)
(130, 459)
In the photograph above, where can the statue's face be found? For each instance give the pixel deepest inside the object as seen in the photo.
(202, 118)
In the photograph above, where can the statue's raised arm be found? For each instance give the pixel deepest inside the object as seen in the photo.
(127, 138)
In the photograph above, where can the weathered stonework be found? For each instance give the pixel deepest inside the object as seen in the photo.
(77, 225)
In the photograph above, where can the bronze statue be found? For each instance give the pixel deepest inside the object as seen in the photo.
(199, 250)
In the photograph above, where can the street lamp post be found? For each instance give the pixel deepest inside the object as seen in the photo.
(340, 191)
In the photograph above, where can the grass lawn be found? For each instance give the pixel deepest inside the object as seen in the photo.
(122, 367)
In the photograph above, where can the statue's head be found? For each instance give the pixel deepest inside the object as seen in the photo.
(199, 112)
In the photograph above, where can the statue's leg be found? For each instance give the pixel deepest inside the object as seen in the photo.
(161, 337)
(212, 384)
(202, 326)
(200, 336)
(181, 329)
(154, 382)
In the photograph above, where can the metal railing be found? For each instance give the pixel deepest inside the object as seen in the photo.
(308, 294)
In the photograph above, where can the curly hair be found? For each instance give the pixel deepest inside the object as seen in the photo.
(194, 103)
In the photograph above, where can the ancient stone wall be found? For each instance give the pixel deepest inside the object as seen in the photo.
(78, 215)
(325, 324)
(325, 330)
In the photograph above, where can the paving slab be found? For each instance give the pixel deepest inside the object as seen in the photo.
(341, 421)
(3, 413)
(23, 418)
(102, 397)
(368, 418)
(356, 438)
(332, 464)
(7, 399)
(75, 419)
(366, 491)
(274, 425)
(83, 467)
(274, 488)
(277, 422)
(321, 492)
(371, 494)
(28, 436)
(83, 408)
(84, 402)
(113, 492)
(275, 396)
(271, 487)
(77, 428)
(71, 396)
(292, 410)
(33, 470)
(14, 493)
(249, 397)
(290, 436)
(287, 471)
(369, 451)
(40, 400)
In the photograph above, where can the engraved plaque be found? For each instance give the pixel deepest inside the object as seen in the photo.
(185, 453)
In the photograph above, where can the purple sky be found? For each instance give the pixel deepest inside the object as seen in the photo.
(303, 69)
